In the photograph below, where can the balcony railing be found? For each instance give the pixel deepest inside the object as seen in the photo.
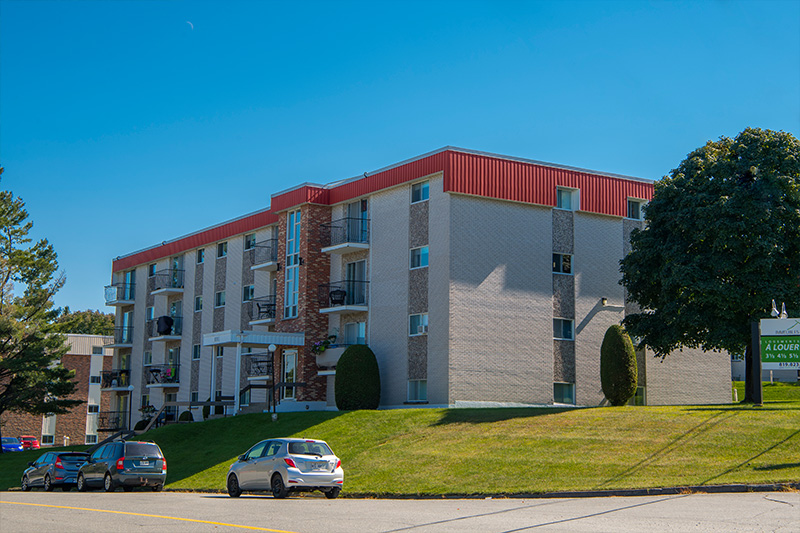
(260, 365)
(163, 374)
(115, 378)
(343, 293)
(169, 278)
(345, 230)
(112, 420)
(122, 335)
(265, 252)
(161, 327)
(263, 308)
(120, 292)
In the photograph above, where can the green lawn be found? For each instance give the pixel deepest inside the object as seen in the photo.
(505, 451)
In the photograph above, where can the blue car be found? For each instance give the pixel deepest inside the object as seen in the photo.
(11, 444)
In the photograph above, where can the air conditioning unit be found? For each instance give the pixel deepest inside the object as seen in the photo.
(422, 329)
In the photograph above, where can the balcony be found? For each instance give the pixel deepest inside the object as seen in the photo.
(343, 296)
(165, 328)
(262, 310)
(345, 235)
(265, 255)
(115, 380)
(259, 366)
(112, 420)
(163, 376)
(120, 294)
(123, 337)
(168, 281)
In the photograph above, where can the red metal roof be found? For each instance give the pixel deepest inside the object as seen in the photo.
(464, 171)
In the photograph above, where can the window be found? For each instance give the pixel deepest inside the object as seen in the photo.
(201, 255)
(94, 379)
(355, 333)
(147, 358)
(248, 291)
(639, 397)
(292, 272)
(250, 241)
(91, 439)
(562, 329)
(48, 439)
(219, 299)
(419, 257)
(93, 408)
(219, 351)
(97, 350)
(417, 390)
(289, 372)
(562, 263)
(567, 199)
(198, 303)
(150, 313)
(244, 398)
(418, 324)
(145, 400)
(635, 210)
(196, 351)
(195, 396)
(222, 249)
(151, 270)
(564, 393)
(420, 192)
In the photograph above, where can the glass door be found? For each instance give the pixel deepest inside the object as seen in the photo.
(289, 373)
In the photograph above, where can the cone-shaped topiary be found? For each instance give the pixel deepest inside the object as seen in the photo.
(358, 380)
(618, 371)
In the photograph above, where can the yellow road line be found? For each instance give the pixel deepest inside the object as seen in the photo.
(151, 516)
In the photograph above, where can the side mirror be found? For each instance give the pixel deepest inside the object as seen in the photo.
(30, 464)
(241, 457)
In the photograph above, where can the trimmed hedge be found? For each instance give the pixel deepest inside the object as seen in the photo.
(141, 424)
(358, 379)
(618, 370)
(186, 416)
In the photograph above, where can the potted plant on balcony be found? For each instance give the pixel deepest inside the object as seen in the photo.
(320, 346)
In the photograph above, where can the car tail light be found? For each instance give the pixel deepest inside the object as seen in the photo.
(289, 462)
(164, 466)
(338, 463)
(59, 465)
(121, 463)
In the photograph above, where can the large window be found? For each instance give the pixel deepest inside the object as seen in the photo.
(420, 192)
(567, 199)
(289, 372)
(292, 287)
(418, 257)
(563, 329)
(355, 333)
(417, 390)
(562, 263)
(418, 324)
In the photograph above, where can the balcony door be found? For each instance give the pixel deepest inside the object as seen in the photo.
(289, 373)
(130, 284)
(355, 283)
(357, 221)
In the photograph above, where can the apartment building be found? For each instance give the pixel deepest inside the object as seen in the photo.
(477, 279)
(90, 360)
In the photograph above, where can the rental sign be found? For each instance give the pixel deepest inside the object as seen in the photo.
(780, 344)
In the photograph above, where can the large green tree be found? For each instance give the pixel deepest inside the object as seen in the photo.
(721, 241)
(87, 322)
(32, 379)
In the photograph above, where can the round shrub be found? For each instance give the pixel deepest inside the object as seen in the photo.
(186, 416)
(358, 380)
(618, 371)
(140, 425)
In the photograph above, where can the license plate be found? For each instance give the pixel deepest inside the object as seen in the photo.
(320, 465)
(144, 463)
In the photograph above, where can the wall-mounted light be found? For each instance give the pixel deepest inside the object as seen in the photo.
(603, 301)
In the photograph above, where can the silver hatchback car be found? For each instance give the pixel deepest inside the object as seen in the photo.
(287, 465)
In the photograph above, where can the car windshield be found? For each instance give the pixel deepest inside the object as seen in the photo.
(142, 449)
(74, 457)
(309, 448)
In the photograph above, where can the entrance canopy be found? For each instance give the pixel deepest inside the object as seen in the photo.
(253, 339)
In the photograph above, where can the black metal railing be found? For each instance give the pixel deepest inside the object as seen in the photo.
(115, 378)
(265, 251)
(112, 420)
(170, 278)
(346, 292)
(159, 327)
(259, 364)
(122, 335)
(120, 291)
(160, 374)
(263, 308)
(344, 230)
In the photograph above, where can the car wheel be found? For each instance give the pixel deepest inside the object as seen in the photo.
(234, 491)
(66, 488)
(332, 493)
(25, 485)
(279, 490)
(81, 483)
(127, 488)
(108, 483)
(48, 485)
(158, 488)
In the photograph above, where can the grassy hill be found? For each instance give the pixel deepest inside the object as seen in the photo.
(505, 451)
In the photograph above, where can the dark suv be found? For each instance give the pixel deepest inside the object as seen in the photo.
(125, 464)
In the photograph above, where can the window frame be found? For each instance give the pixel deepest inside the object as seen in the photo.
(222, 249)
(574, 198)
(248, 293)
(571, 323)
(562, 384)
(198, 303)
(196, 352)
(414, 386)
(151, 270)
(200, 257)
(147, 357)
(92, 408)
(426, 255)
(558, 268)
(249, 241)
(640, 204)
(219, 299)
(95, 380)
(424, 188)
(423, 322)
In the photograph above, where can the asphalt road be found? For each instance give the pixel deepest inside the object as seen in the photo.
(38, 511)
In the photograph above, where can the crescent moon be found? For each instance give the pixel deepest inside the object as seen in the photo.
(190, 24)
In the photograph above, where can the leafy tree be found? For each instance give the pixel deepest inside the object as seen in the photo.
(618, 370)
(87, 322)
(32, 378)
(722, 240)
(358, 380)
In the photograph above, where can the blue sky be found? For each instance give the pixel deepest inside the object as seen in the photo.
(123, 125)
